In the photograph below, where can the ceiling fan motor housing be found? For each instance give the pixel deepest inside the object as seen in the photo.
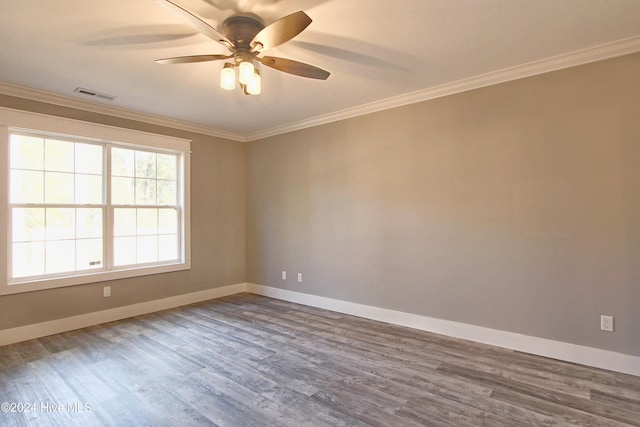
(241, 29)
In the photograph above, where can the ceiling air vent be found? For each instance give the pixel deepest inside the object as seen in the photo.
(94, 93)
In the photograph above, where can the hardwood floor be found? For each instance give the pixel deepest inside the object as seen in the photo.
(248, 360)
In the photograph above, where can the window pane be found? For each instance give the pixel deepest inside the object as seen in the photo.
(88, 222)
(167, 164)
(89, 254)
(60, 256)
(58, 188)
(27, 186)
(122, 162)
(124, 222)
(60, 223)
(122, 191)
(145, 164)
(124, 251)
(167, 193)
(167, 221)
(58, 155)
(28, 224)
(28, 259)
(145, 191)
(89, 189)
(27, 152)
(168, 249)
(147, 222)
(89, 159)
(147, 249)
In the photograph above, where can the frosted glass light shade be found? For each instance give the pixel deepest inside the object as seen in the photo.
(246, 72)
(228, 77)
(254, 86)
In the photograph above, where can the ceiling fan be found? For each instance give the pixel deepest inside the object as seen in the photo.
(247, 37)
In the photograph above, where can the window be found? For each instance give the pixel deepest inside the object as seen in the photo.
(144, 194)
(57, 207)
(84, 208)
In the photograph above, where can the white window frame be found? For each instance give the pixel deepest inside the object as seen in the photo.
(16, 119)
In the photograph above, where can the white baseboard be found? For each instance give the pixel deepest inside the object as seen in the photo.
(583, 355)
(38, 330)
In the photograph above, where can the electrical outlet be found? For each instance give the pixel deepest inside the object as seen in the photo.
(284, 275)
(299, 277)
(606, 323)
(106, 291)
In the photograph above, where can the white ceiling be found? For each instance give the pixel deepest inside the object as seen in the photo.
(376, 50)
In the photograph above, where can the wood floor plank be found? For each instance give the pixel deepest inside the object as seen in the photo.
(556, 410)
(581, 404)
(502, 413)
(248, 360)
(557, 384)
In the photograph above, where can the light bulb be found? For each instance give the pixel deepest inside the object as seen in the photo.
(254, 86)
(246, 72)
(228, 77)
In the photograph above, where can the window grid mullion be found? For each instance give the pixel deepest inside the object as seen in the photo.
(108, 221)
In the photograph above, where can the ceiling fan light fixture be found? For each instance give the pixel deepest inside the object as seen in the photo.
(246, 37)
(228, 77)
(246, 73)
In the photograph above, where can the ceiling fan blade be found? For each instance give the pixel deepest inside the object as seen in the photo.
(294, 67)
(281, 31)
(193, 58)
(196, 22)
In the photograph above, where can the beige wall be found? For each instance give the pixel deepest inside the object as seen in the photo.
(217, 235)
(515, 207)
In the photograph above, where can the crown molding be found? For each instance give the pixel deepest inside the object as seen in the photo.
(559, 62)
(67, 101)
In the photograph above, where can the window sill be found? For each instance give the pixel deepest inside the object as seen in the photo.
(101, 276)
